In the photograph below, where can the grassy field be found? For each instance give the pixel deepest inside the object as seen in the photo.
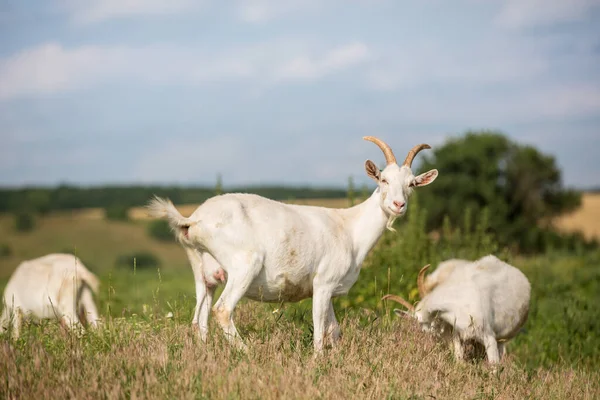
(139, 353)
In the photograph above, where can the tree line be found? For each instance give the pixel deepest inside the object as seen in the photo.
(66, 197)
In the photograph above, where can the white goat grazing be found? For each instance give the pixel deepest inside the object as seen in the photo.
(273, 252)
(54, 286)
(486, 301)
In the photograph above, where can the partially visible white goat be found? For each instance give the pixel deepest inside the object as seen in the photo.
(54, 286)
(486, 301)
(270, 251)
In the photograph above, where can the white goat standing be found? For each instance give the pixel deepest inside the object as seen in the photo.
(486, 301)
(54, 286)
(272, 252)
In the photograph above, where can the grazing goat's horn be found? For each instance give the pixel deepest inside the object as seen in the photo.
(411, 154)
(421, 281)
(399, 300)
(387, 151)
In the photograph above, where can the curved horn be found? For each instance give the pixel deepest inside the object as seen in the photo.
(400, 300)
(411, 154)
(421, 281)
(390, 158)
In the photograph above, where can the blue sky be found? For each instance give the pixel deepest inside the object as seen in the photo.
(261, 91)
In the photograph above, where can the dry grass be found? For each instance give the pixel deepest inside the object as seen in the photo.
(585, 219)
(378, 358)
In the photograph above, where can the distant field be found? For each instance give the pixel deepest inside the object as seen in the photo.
(86, 233)
(586, 219)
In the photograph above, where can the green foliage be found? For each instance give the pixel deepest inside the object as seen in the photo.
(117, 212)
(24, 221)
(520, 186)
(160, 230)
(351, 194)
(219, 185)
(138, 260)
(5, 250)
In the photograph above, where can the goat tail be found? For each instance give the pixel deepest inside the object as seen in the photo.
(164, 208)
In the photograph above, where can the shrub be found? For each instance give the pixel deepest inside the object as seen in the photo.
(5, 250)
(160, 230)
(141, 260)
(117, 212)
(24, 222)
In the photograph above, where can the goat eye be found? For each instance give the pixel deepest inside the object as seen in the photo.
(384, 181)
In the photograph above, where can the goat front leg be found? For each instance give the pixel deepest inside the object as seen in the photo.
(491, 349)
(320, 311)
(238, 281)
(501, 349)
(459, 350)
(332, 328)
(17, 322)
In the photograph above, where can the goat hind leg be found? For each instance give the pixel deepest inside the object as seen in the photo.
(204, 313)
(90, 312)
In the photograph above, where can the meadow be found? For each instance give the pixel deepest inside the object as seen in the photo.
(147, 349)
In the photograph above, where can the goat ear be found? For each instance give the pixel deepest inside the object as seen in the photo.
(424, 179)
(372, 170)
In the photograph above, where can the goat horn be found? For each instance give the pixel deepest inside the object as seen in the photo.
(411, 154)
(400, 300)
(387, 151)
(421, 281)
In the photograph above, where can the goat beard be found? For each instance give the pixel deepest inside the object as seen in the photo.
(390, 223)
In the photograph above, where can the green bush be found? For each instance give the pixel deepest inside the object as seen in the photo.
(140, 259)
(117, 212)
(521, 187)
(24, 222)
(160, 230)
(5, 250)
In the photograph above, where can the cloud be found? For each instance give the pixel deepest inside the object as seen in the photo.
(486, 62)
(94, 11)
(52, 68)
(523, 14)
(305, 67)
(261, 11)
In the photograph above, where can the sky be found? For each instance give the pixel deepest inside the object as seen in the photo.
(282, 91)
